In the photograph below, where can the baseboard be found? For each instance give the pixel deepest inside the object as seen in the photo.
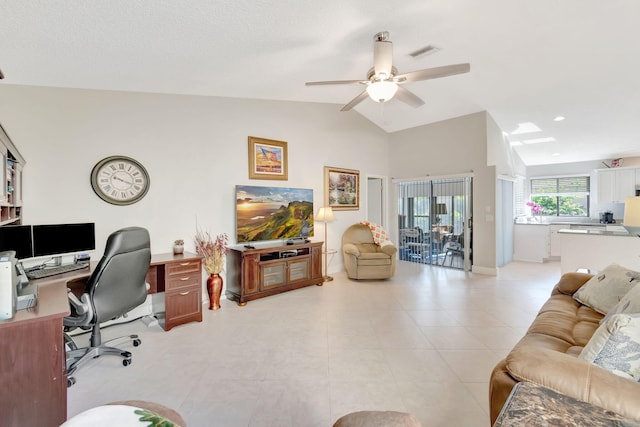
(489, 271)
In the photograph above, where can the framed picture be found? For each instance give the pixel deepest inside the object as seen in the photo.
(267, 159)
(341, 188)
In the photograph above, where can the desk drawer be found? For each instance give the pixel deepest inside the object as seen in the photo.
(183, 281)
(182, 268)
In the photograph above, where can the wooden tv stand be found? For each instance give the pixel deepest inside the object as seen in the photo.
(264, 271)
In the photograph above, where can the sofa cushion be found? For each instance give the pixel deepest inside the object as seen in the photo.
(374, 258)
(629, 304)
(565, 319)
(604, 290)
(615, 346)
(364, 248)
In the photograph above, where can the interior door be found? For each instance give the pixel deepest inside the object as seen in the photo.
(375, 200)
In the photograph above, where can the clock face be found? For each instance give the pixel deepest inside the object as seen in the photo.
(119, 180)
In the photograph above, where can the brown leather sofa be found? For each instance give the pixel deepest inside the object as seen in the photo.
(363, 259)
(547, 355)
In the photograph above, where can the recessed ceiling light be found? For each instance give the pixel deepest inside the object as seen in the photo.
(538, 140)
(555, 154)
(526, 127)
(558, 118)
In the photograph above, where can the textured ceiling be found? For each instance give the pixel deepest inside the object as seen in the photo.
(530, 60)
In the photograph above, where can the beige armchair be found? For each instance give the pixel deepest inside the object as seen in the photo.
(363, 259)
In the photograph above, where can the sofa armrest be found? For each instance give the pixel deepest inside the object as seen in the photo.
(570, 282)
(351, 249)
(576, 378)
(389, 249)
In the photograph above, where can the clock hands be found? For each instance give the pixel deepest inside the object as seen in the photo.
(120, 179)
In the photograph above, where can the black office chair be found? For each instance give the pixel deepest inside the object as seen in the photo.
(115, 287)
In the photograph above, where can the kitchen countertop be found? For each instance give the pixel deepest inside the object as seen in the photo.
(598, 232)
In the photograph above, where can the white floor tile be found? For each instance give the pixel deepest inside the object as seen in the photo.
(423, 342)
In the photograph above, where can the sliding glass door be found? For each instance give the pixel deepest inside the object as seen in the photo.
(434, 218)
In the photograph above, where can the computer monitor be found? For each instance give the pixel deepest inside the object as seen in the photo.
(58, 239)
(17, 238)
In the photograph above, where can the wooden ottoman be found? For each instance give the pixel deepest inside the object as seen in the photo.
(377, 419)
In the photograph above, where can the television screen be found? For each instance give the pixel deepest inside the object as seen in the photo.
(272, 213)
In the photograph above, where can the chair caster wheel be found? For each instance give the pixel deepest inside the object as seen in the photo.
(70, 381)
(137, 342)
(126, 354)
(126, 362)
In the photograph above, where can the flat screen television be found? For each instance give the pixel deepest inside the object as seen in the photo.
(273, 213)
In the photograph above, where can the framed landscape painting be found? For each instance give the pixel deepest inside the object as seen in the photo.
(341, 188)
(267, 159)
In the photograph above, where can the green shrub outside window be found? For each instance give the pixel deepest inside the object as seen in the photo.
(567, 196)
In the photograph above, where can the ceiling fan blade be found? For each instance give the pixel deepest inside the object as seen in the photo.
(432, 73)
(408, 97)
(336, 82)
(382, 58)
(355, 101)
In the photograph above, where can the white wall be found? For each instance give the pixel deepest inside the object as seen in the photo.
(194, 148)
(449, 147)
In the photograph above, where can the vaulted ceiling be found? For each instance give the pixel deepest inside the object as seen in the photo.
(531, 61)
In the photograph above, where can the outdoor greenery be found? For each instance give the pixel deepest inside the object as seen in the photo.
(562, 205)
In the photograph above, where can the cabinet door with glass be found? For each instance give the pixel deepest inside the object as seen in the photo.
(298, 270)
(272, 274)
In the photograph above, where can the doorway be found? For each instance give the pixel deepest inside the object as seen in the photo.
(434, 221)
(375, 196)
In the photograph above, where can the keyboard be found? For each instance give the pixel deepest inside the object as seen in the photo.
(52, 271)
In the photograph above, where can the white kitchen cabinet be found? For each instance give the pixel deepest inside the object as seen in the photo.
(615, 185)
(554, 240)
(530, 242)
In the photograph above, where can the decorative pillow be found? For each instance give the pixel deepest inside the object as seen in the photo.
(379, 234)
(615, 346)
(629, 304)
(604, 290)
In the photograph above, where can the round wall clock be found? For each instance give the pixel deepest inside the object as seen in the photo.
(120, 180)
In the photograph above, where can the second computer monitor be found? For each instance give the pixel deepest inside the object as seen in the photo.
(16, 238)
(57, 239)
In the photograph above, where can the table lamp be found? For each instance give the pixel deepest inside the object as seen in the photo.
(631, 220)
(440, 209)
(325, 215)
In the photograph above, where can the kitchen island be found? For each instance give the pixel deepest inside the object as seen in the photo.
(594, 249)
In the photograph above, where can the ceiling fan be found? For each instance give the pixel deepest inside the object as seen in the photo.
(383, 80)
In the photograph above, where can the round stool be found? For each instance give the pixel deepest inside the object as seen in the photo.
(377, 419)
(168, 413)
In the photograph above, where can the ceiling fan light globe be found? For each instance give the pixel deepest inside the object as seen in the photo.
(382, 91)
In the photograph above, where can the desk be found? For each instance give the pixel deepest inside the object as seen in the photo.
(32, 357)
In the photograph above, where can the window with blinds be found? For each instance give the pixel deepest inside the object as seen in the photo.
(562, 196)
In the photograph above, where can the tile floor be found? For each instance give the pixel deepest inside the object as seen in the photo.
(424, 342)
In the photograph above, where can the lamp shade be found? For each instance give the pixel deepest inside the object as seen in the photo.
(325, 215)
(382, 91)
(631, 219)
(440, 209)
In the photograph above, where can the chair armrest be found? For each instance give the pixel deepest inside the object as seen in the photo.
(82, 308)
(576, 378)
(570, 282)
(389, 249)
(350, 248)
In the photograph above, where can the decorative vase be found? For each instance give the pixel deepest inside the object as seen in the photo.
(214, 289)
(178, 249)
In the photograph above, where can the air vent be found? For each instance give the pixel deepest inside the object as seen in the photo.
(427, 50)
